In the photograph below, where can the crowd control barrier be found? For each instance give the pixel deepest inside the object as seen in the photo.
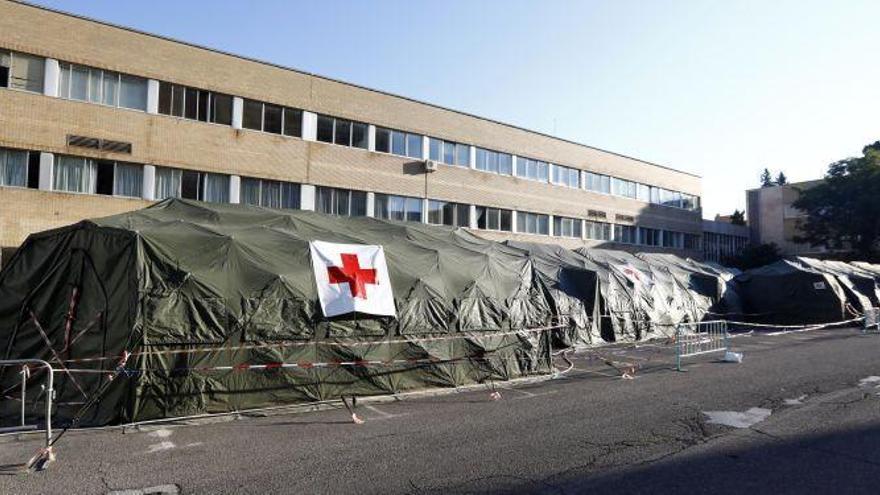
(872, 321)
(693, 339)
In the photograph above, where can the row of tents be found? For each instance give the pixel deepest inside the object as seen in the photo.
(202, 308)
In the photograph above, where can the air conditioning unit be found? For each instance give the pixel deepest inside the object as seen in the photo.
(430, 166)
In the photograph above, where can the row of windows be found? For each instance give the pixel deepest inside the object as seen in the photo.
(21, 71)
(634, 190)
(89, 176)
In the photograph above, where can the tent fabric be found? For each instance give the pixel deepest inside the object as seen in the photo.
(237, 281)
(211, 299)
(791, 293)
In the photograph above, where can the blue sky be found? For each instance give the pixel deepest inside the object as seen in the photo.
(721, 89)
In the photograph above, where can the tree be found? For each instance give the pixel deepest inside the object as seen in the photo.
(754, 256)
(766, 179)
(781, 179)
(842, 211)
(738, 217)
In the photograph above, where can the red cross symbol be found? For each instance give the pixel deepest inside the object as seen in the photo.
(352, 274)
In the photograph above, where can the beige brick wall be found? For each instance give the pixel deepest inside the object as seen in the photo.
(26, 211)
(66, 38)
(36, 122)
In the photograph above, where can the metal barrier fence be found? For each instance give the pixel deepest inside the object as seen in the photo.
(872, 321)
(49, 390)
(692, 339)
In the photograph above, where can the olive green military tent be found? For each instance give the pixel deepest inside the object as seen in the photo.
(791, 293)
(217, 305)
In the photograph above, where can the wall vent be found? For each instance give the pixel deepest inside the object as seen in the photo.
(99, 144)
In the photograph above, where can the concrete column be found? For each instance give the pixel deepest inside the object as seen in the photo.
(371, 137)
(613, 234)
(583, 229)
(152, 96)
(47, 171)
(51, 77)
(550, 225)
(424, 210)
(513, 165)
(371, 203)
(237, 112)
(234, 189)
(513, 226)
(307, 198)
(310, 127)
(473, 157)
(472, 221)
(149, 187)
(426, 148)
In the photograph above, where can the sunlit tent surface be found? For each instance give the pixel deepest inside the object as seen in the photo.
(218, 306)
(188, 287)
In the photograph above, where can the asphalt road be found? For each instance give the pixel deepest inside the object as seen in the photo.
(813, 408)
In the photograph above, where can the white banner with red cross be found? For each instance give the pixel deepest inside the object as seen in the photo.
(352, 277)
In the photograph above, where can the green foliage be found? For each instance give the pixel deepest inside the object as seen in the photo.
(754, 256)
(781, 179)
(738, 217)
(766, 179)
(843, 212)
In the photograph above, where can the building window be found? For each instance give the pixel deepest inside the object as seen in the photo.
(343, 202)
(598, 231)
(449, 213)
(119, 179)
(625, 234)
(400, 208)
(5, 64)
(673, 239)
(565, 176)
(103, 87)
(273, 119)
(449, 153)
(398, 142)
(74, 174)
(167, 183)
(532, 169)
(270, 193)
(194, 104)
(133, 93)
(597, 183)
(20, 71)
(13, 168)
(649, 237)
(200, 186)
(494, 219)
(495, 162)
(643, 193)
(624, 188)
(341, 131)
(532, 223)
(691, 241)
(567, 227)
